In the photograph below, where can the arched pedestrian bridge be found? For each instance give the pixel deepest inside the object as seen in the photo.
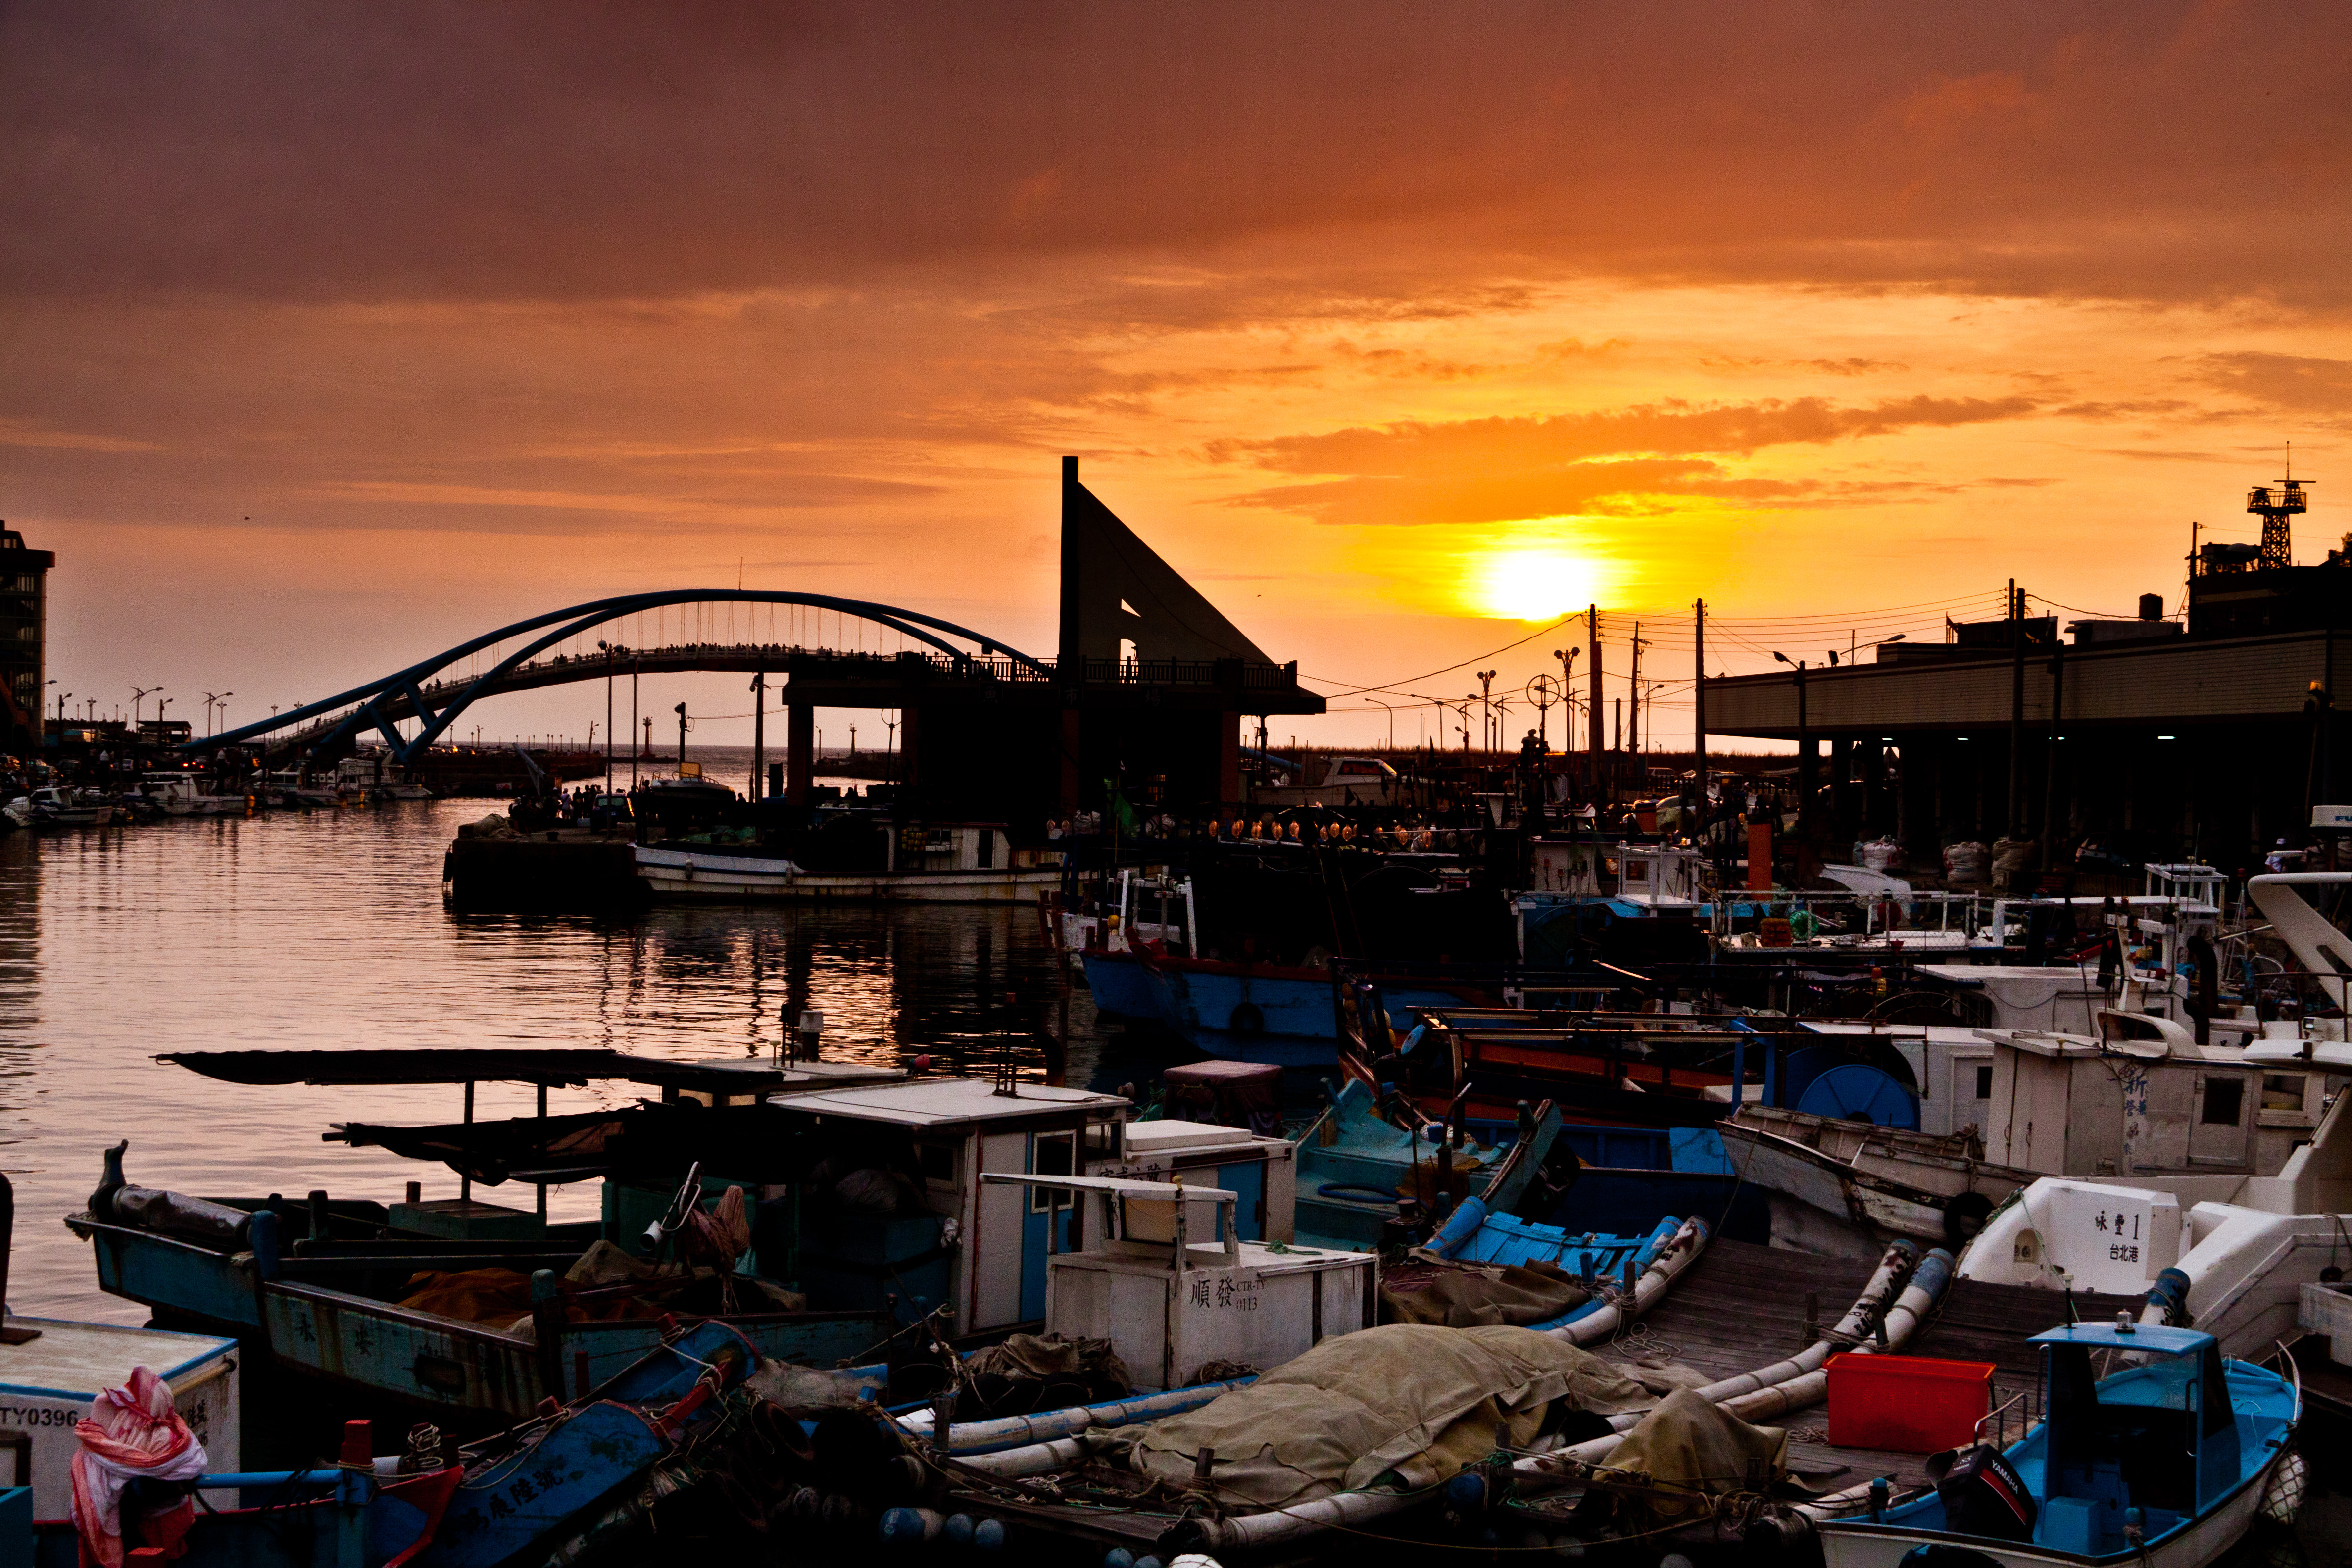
(1148, 687)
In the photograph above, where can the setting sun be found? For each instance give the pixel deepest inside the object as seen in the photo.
(1536, 584)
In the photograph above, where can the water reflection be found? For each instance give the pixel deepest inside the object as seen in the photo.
(327, 931)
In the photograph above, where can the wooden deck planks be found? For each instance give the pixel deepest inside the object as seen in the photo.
(1741, 1305)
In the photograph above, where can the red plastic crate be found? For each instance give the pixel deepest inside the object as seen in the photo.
(1906, 1404)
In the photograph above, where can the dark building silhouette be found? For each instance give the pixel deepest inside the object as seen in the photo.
(24, 640)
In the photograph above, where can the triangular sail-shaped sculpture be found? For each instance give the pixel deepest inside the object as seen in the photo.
(1115, 589)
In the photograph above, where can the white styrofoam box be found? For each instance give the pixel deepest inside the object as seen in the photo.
(1166, 1325)
(2327, 1310)
(46, 1386)
(1175, 1137)
(2110, 1239)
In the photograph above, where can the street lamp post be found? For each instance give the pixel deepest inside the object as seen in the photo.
(606, 648)
(140, 694)
(1392, 712)
(1804, 742)
(1486, 706)
(1567, 656)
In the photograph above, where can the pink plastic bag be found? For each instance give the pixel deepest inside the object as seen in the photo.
(131, 1432)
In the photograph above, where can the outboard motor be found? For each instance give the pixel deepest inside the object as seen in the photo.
(1983, 1494)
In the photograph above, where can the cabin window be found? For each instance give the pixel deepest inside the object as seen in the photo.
(2224, 1098)
(938, 1163)
(1102, 1141)
(1052, 1155)
(1984, 1082)
(985, 850)
(2282, 1091)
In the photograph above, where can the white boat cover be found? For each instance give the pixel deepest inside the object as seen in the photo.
(1410, 1398)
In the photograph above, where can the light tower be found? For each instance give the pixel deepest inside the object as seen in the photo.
(2275, 509)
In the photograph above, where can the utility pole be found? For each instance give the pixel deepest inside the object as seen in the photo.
(1595, 738)
(2016, 713)
(635, 662)
(1698, 698)
(1635, 734)
(1487, 708)
(2050, 772)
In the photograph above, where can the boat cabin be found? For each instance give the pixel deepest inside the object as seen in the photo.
(950, 847)
(2143, 1451)
(893, 1204)
(2069, 1105)
(1176, 1289)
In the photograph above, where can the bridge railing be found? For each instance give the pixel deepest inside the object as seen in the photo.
(1248, 675)
(1237, 674)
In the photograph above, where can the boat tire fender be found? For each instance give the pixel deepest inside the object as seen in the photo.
(1247, 1019)
(1964, 1215)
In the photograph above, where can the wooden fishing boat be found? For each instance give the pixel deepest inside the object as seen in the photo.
(317, 1287)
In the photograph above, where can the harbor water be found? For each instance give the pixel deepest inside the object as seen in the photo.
(325, 929)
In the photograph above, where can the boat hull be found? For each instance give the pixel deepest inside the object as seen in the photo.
(1857, 1543)
(691, 876)
(422, 1361)
(1249, 1005)
(1853, 1206)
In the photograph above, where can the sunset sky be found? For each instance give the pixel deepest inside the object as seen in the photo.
(336, 333)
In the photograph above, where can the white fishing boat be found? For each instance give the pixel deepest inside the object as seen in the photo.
(2228, 1253)
(961, 863)
(2145, 1099)
(64, 806)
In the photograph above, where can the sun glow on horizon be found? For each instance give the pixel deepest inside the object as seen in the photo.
(1536, 584)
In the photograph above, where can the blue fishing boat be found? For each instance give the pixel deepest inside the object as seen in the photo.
(2164, 1462)
(1631, 1178)
(361, 1512)
(1252, 1012)
(1355, 1165)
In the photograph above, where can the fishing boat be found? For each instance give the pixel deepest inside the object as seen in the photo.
(872, 1214)
(695, 874)
(2228, 1253)
(2164, 1461)
(1666, 1068)
(512, 1308)
(1144, 959)
(62, 806)
(1360, 1171)
(2137, 1102)
(365, 1510)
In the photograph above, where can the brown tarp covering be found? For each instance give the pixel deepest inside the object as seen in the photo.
(500, 1298)
(1693, 1452)
(1407, 1399)
(1425, 1288)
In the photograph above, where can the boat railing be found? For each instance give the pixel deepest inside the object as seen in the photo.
(1951, 917)
(1998, 1419)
